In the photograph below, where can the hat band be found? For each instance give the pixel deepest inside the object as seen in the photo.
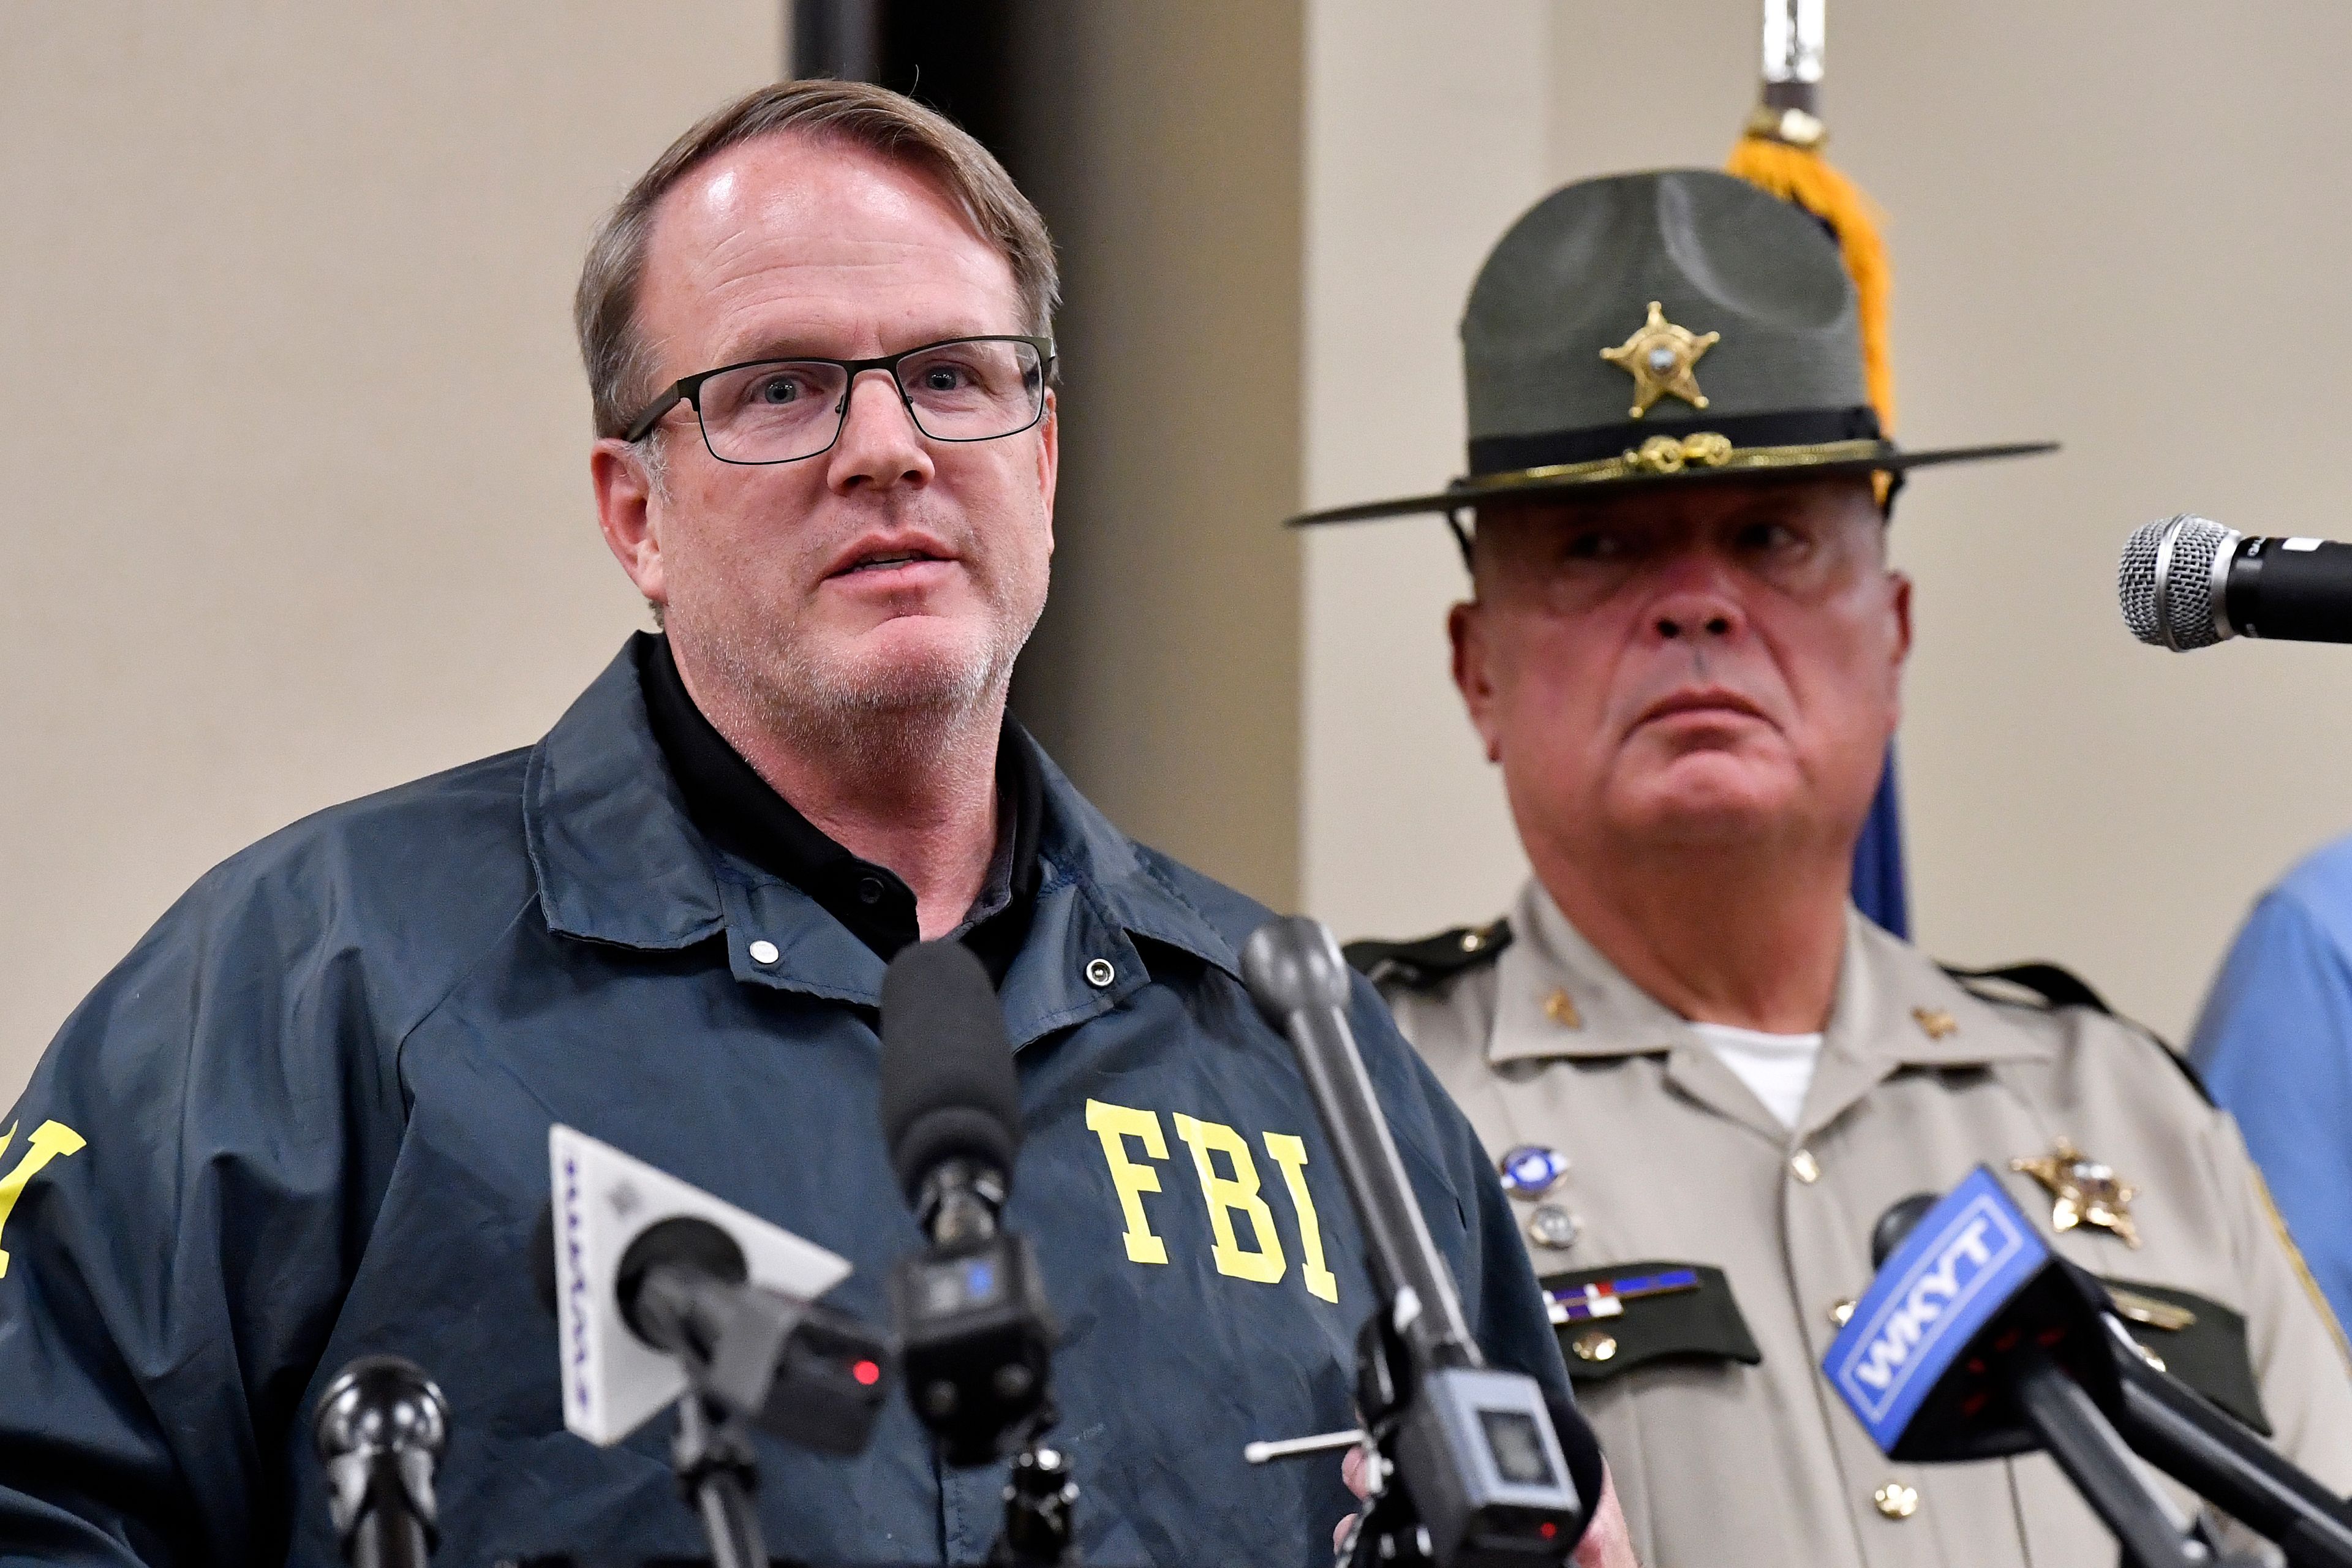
(1705, 452)
(1550, 454)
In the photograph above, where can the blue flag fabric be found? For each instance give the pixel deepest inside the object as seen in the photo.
(1878, 886)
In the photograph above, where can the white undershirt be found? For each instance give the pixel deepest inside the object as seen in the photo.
(1777, 1069)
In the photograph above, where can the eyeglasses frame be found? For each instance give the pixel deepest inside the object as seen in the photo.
(688, 390)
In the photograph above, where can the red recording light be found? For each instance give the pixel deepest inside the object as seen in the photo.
(1547, 1530)
(865, 1372)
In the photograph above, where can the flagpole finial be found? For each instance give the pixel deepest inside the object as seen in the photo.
(1790, 108)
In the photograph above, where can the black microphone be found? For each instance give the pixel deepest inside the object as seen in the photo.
(380, 1429)
(971, 1310)
(1485, 1462)
(2189, 582)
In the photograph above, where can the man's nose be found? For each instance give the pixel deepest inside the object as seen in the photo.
(1702, 613)
(879, 446)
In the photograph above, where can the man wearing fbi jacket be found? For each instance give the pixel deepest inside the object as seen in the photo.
(1705, 1074)
(308, 1118)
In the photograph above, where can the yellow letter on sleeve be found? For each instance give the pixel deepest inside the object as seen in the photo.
(48, 1141)
(1112, 1124)
(1290, 1153)
(1227, 1197)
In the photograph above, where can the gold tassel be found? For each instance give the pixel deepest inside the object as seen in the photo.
(1801, 174)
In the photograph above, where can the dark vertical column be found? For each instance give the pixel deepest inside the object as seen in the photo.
(836, 38)
(1164, 146)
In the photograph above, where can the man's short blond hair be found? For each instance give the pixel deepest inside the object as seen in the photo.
(619, 363)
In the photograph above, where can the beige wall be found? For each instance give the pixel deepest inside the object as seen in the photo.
(1161, 142)
(296, 505)
(1425, 138)
(2114, 224)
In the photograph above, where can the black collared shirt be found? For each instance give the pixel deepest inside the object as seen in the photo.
(738, 810)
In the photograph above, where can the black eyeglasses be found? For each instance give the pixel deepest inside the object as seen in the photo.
(782, 410)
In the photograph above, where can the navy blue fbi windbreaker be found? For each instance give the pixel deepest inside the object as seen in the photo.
(307, 1119)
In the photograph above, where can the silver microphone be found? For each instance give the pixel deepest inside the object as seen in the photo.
(2172, 583)
(2189, 582)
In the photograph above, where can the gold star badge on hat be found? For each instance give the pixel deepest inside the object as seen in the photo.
(1660, 356)
(2082, 1191)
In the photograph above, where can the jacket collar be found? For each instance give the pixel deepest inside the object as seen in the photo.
(618, 861)
(1894, 1010)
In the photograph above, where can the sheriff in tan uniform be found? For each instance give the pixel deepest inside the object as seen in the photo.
(1704, 1075)
(1726, 1442)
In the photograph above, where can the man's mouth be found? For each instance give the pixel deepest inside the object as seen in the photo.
(892, 551)
(1709, 700)
(879, 563)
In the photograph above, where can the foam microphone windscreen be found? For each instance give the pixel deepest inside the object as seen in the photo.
(948, 1091)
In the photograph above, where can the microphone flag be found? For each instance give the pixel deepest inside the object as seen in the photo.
(603, 1200)
(1959, 1267)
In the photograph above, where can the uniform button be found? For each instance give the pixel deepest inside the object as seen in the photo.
(1473, 941)
(1804, 1167)
(764, 951)
(1841, 1310)
(1594, 1344)
(869, 889)
(1896, 1500)
(1099, 973)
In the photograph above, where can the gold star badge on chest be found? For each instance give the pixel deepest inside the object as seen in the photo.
(1659, 356)
(2082, 1191)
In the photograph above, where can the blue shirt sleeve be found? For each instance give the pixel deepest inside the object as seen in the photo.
(2274, 1046)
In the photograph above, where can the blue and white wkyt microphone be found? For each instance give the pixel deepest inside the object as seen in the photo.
(1975, 1339)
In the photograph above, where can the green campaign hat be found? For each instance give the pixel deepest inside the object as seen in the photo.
(1673, 327)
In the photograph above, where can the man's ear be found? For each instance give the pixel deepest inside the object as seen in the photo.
(1049, 460)
(1900, 585)
(626, 514)
(1473, 673)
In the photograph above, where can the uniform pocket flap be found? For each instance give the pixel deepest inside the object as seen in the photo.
(2200, 1342)
(1612, 1320)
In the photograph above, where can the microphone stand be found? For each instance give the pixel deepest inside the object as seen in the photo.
(1041, 1501)
(2068, 1422)
(1485, 1480)
(2205, 1449)
(712, 1458)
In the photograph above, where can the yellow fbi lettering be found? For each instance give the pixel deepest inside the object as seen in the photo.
(1229, 1192)
(50, 1140)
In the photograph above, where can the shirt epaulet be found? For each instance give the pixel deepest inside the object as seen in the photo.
(2054, 986)
(2049, 988)
(1429, 960)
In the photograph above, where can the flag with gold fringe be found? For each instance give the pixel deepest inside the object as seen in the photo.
(1780, 151)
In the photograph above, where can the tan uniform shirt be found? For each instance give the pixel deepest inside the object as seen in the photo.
(1672, 1161)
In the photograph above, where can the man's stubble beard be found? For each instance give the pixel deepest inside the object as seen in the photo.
(793, 687)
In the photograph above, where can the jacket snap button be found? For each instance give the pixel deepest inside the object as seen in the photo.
(1099, 973)
(1896, 1500)
(1806, 1169)
(764, 952)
